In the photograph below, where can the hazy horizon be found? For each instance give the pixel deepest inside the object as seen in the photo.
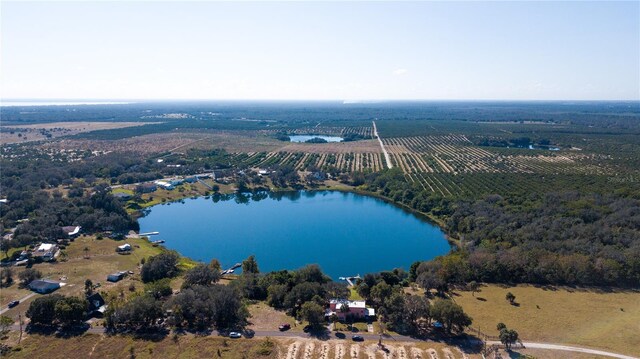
(327, 51)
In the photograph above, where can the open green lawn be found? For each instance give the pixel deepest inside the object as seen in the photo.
(585, 317)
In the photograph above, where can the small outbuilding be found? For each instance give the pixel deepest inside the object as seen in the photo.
(43, 286)
(72, 231)
(124, 248)
(116, 277)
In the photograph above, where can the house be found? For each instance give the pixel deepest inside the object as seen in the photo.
(357, 309)
(43, 286)
(72, 231)
(46, 251)
(146, 188)
(124, 248)
(97, 305)
(164, 184)
(45, 247)
(191, 179)
(122, 196)
(176, 182)
(116, 277)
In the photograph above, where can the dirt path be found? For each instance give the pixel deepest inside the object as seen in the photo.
(384, 151)
(340, 351)
(571, 349)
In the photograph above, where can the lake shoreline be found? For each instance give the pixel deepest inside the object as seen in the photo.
(292, 228)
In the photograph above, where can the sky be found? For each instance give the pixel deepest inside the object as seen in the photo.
(320, 50)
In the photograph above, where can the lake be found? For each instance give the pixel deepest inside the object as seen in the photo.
(345, 233)
(305, 138)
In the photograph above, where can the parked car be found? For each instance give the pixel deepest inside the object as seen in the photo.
(13, 304)
(284, 327)
(357, 338)
(235, 335)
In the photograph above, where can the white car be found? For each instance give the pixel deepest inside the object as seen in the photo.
(235, 335)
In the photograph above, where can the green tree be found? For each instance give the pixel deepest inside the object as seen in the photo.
(451, 315)
(511, 298)
(140, 313)
(28, 275)
(5, 324)
(215, 265)
(6, 276)
(70, 310)
(508, 337)
(276, 294)
(5, 246)
(42, 310)
(200, 275)
(164, 265)
(313, 313)
(344, 309)
(501, 326)
(250, 265)
(88, 287)
(159, 289)
(380, 292)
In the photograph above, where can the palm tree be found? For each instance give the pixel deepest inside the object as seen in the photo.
(344, 308)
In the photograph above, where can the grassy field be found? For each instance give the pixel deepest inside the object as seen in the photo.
(95, 263)
(589, 318)
(98, 346)
(264, 317)
(190, 346)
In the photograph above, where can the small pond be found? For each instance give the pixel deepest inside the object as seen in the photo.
(305, 138)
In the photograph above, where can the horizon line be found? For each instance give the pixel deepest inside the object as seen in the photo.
(346, 101)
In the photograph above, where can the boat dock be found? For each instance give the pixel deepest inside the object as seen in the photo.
(232, 269)
(149, 234)
(350, 279)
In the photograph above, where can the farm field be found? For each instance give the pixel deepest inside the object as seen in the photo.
(582, 317)
(450, 164)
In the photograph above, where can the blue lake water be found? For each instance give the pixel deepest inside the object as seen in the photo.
(345, 233)
(305, 138)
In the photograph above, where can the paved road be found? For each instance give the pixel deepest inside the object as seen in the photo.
(384, 151)
(548, 346)
(21, 300)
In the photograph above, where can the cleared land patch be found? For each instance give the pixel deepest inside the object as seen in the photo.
(584, 317)
(43, 131)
